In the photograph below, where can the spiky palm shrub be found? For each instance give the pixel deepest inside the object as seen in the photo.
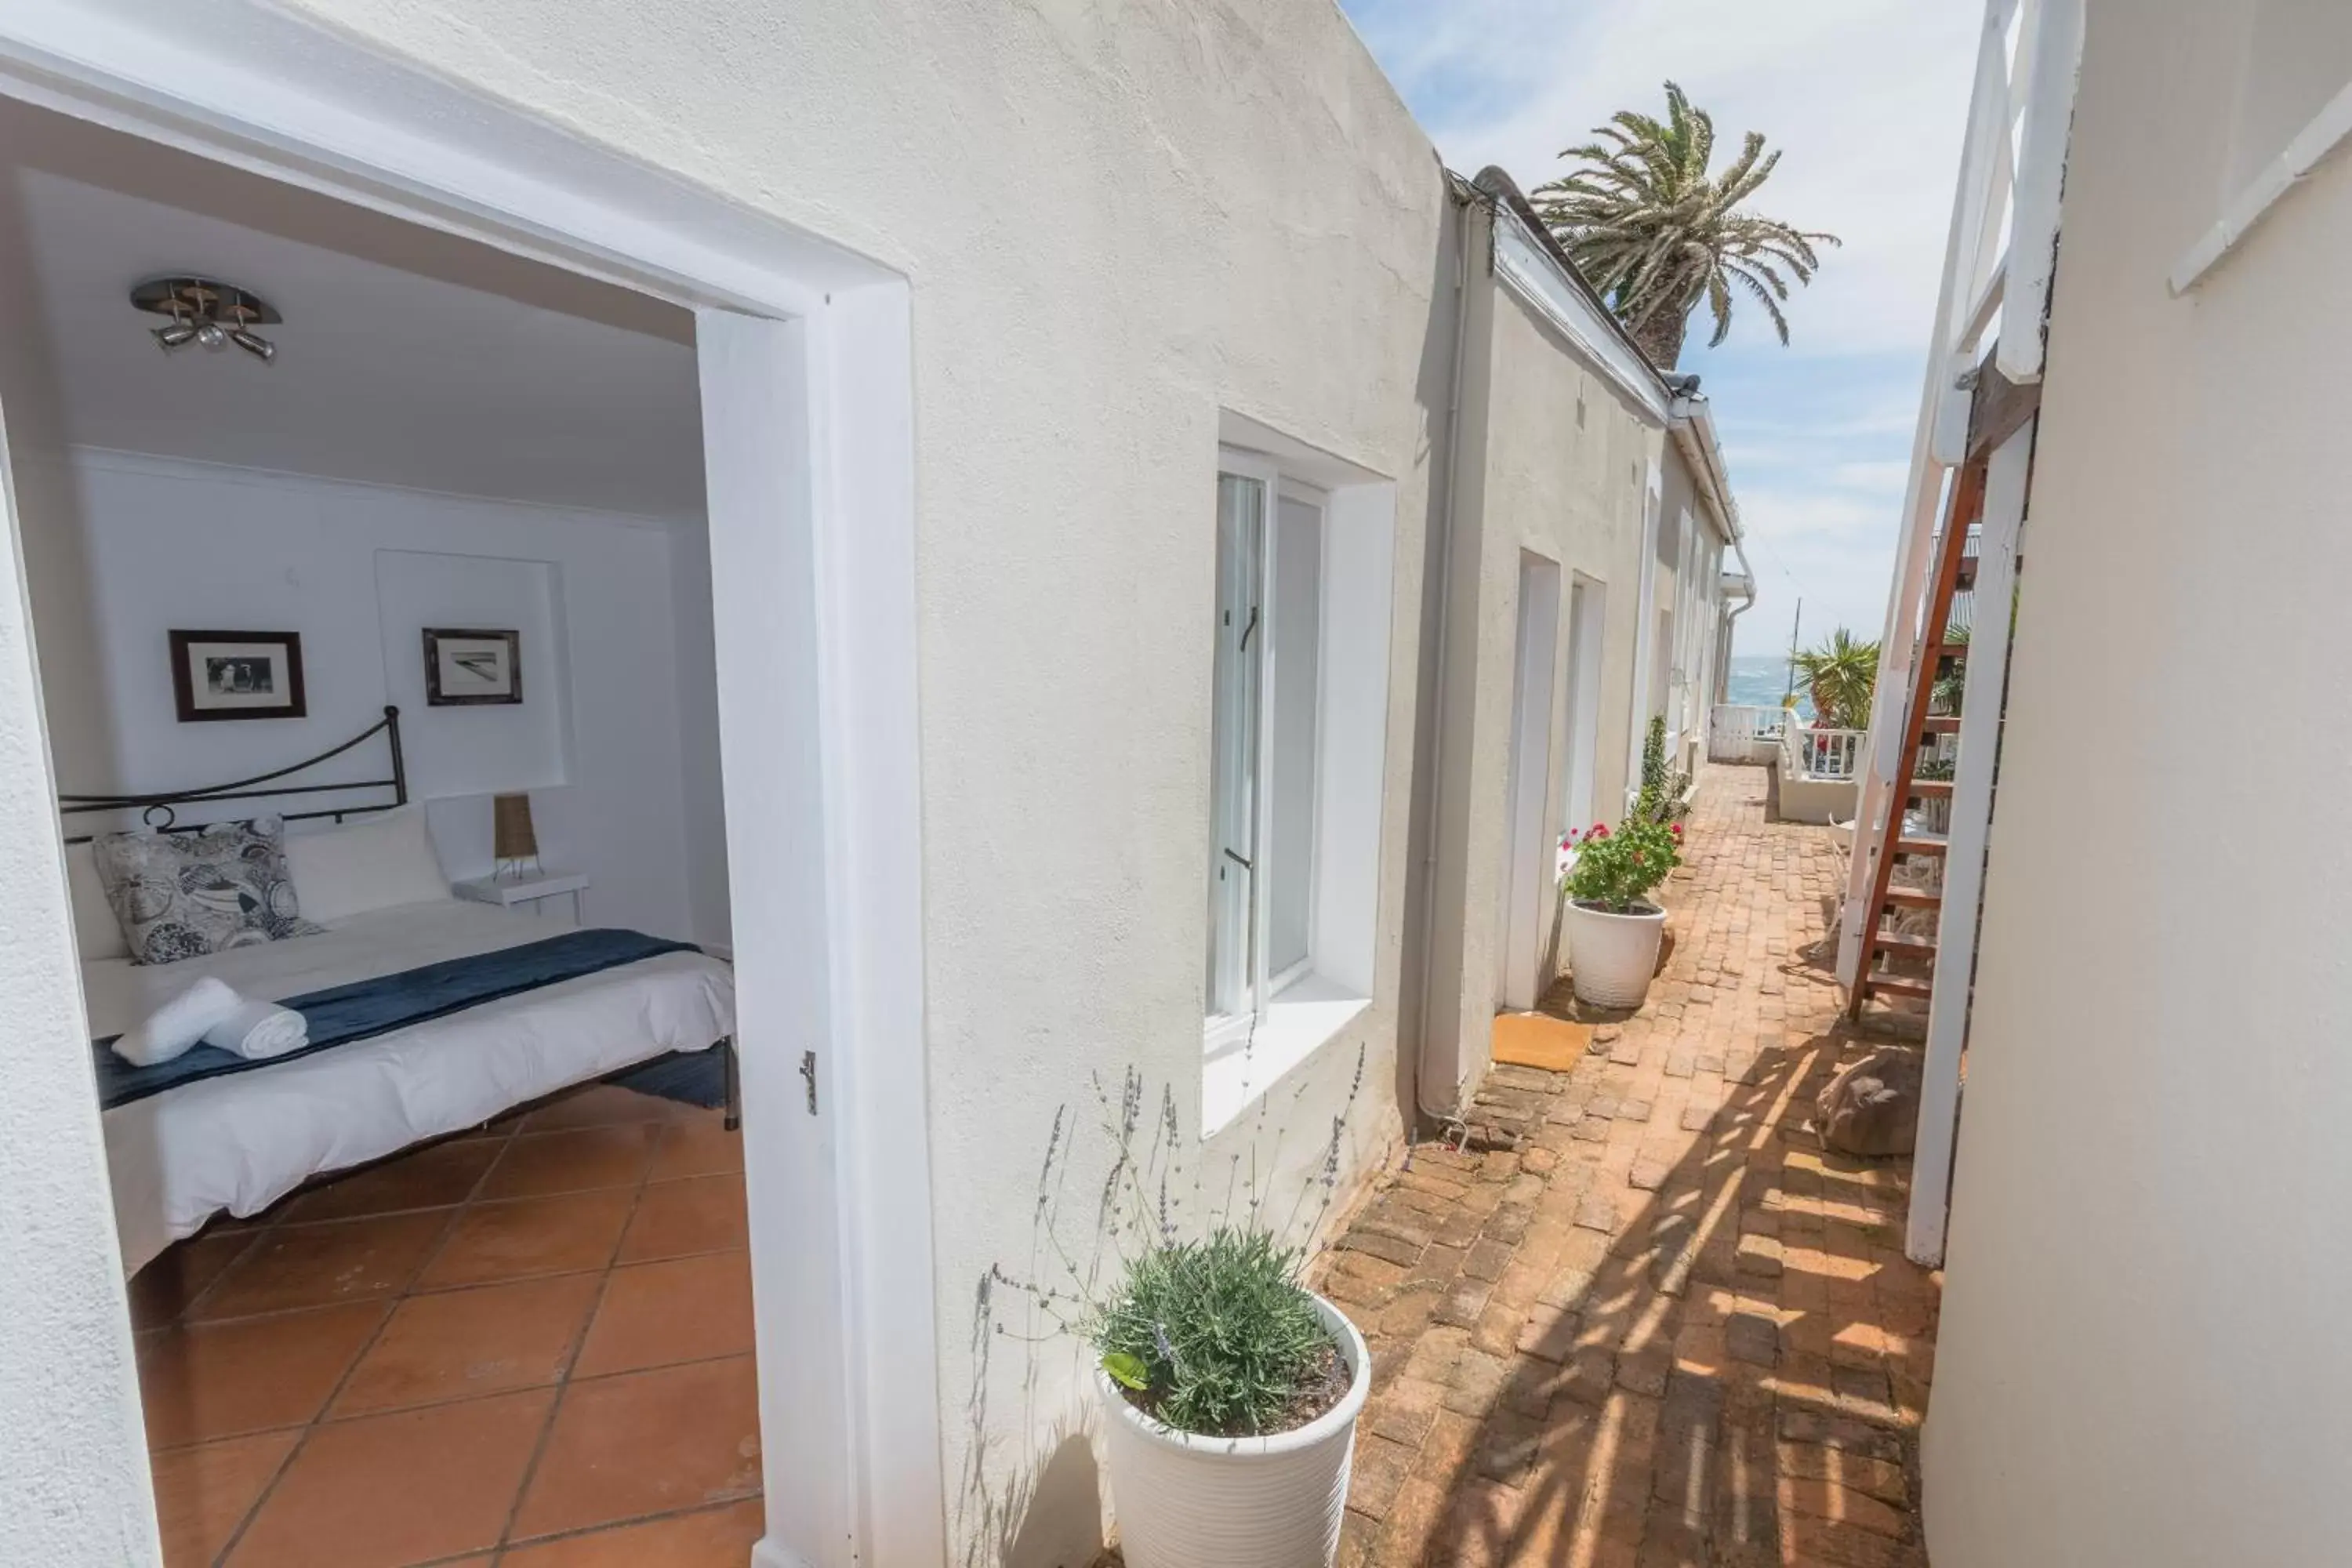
(1655, 233)
(1843, 676)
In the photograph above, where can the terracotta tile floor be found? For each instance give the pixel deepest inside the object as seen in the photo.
(529, 1346)
(1645, 1320)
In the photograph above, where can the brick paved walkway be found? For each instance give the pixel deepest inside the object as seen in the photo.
(1665, 1329)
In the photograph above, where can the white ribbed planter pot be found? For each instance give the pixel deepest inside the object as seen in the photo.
(1610, 957)
(1184, 1501)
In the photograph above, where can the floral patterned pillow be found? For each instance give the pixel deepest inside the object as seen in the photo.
(183, 895)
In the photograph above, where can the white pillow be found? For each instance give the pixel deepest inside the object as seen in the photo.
(376, 862)
(95, 930)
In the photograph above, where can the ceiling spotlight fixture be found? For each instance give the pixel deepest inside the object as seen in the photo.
(211, 314)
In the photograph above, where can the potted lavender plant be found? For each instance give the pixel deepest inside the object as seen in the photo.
(1230, 1394)
(1229, 1391)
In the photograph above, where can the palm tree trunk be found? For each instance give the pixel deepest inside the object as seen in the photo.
(1660, 336)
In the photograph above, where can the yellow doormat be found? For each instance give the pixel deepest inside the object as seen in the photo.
(1536, 1040)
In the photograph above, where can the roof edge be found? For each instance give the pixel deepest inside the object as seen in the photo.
(1689, 415)
(1496, 183)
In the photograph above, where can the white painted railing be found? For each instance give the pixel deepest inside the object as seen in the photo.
(1739, 733)
(1829, 756)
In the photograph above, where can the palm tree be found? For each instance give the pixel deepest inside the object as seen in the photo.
(1842, 675)
(1655, 233)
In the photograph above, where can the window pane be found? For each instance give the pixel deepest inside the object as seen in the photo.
(1297, 628)
(1233, 823)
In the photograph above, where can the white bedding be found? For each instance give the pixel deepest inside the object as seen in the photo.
(242, 1142)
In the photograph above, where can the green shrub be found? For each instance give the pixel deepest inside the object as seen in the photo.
(1665, 794)
(1215, 1334)
(1617, 870)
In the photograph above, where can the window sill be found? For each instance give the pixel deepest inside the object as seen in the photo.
(1243, 1063)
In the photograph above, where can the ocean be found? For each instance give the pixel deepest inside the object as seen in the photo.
(1758, 681)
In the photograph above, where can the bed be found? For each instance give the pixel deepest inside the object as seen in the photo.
(239, 1140)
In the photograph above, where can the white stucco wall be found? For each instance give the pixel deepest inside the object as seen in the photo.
(2142, 1357)
(1116, 221)
(1534, 480)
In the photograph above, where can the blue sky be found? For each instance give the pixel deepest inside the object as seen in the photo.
(1868, 99)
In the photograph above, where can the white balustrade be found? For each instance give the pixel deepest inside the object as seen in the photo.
(1824, 755)
(1739, 733)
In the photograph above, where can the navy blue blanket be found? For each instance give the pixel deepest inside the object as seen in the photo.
(341, 1014)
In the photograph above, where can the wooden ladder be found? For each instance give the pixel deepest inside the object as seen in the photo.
(1955, 575)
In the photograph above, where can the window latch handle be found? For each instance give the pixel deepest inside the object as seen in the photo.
(1244, 643)
(1237, 860)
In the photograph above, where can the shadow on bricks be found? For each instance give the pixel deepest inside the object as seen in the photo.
(1643, 1319)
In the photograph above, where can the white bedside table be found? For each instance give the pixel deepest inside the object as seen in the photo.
(508, 891)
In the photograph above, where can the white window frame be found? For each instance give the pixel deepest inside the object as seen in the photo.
(1294, 1015)
(1224, 1031)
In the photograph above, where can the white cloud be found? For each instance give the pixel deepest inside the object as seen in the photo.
(1889, 475)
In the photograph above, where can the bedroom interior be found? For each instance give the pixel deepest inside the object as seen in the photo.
(372, 605)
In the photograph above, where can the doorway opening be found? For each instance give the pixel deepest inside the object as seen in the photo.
(774, 327)
(1528, 860)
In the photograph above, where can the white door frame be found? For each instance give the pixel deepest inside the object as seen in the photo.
(1528, 796)
(807, 353)
(1588, 610)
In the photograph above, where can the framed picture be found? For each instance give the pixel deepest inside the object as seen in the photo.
(465, 668)
(236, 675)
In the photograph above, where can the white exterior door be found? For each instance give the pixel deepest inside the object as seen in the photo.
(1586, 606)
(1528, 854)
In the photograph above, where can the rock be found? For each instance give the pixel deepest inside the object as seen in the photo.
(1871, 1108)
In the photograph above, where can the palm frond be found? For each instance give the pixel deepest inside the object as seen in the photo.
(1764, 297)
(1655, 233)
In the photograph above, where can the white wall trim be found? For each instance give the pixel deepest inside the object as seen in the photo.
(2036, 194)
(240, 89)
(1523, 263)
(2327, 131)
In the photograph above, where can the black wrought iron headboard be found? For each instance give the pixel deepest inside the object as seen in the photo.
(157, 810)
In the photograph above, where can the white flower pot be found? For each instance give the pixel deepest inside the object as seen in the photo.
(1187, 1502)
(1610, 957)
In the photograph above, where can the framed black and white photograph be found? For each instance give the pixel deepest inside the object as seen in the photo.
(236, 675)
(464, 668)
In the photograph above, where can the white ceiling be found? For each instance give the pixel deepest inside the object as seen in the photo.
(406, 357)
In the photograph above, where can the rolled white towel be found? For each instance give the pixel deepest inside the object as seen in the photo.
(178, 1024)
(260, 1030)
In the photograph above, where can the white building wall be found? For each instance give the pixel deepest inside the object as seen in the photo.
(1115, 222)
(2141, 1359)
(1567, 486)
